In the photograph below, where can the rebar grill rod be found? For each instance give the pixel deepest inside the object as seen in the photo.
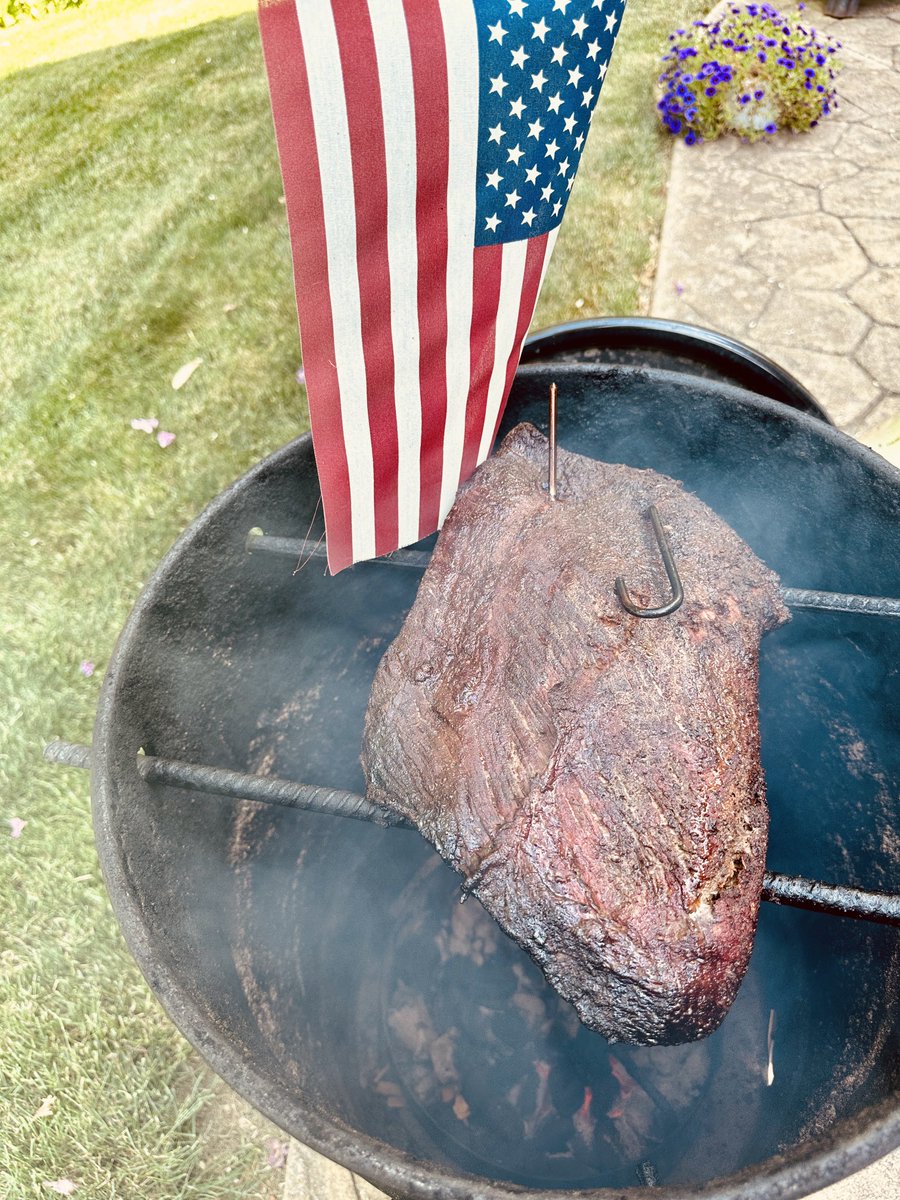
(830, 898)
(302, 549)
(845, 602)
(268, 789)
(876, 606)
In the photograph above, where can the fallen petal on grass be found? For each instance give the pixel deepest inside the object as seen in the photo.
(276, 1153)
(87, 668)
(144, 424)
(165, 438)
(301, 376)
(16, 825)
(183, 374)
(64, 1187)
(229, 307)
(47, 1105)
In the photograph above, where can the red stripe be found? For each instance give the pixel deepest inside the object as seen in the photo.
(487, 267)
(534, 266)
(366, 126)
(430, 88)
(292, 111)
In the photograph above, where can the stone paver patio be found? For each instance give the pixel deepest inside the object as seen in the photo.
(793, 246)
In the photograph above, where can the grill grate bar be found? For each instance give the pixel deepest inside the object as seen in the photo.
(845, 602)
(792, 890)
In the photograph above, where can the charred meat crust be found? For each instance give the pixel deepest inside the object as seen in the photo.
(594, 777)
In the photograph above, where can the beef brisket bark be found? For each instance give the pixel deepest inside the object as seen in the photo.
(595, 777)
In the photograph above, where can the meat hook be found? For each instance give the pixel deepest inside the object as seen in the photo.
(671, 570)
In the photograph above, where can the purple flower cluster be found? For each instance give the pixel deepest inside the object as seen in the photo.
(752, 72)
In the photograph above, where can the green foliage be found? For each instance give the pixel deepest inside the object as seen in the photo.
(12, 11)
(750, 71)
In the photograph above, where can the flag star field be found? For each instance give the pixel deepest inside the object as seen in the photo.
(542, 64)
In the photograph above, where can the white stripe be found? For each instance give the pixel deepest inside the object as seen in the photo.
(512, 275)
(323, 65)
(461, 40)
(548, 254)
(398, 106)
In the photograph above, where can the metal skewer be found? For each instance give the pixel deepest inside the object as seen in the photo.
(551, 444)
(792, 890)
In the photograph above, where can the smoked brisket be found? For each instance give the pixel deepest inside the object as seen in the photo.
(594, 777)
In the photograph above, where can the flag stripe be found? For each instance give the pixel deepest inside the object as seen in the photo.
(398, 104)
(511, 281)
(430, 87)
(367, 149)
(286, 68)
(323, 66)
(461, 42)
(488, 265)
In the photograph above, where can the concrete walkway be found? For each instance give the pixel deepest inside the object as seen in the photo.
(793, 247)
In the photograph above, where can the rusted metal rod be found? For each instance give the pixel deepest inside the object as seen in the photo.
(846, 602)
(270, 789)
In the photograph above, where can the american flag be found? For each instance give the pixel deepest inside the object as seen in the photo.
(428, 148)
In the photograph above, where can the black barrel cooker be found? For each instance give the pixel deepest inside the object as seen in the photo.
(324, 966)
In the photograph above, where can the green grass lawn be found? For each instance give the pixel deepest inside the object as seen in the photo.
(141, 227)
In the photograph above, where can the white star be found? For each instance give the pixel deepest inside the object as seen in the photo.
(535, 129)
(556, 207)
(495, 134)
(538, 81)
(519, 56)
(559, 53)
(564, 166)
(561, 5)
(541, 29)
(516, 108)
(569, 182)
(555, 103)
(517, 7)
(579, 25)
(547, 192)
(528, 217)
(610, 22)
(575, 75)
(514, 154)
(579, 141)
(597, 4)
(498, 84)
(494, 179)
(604, 67)
(512, 199)
(587, 97)
(498, 33)
(569, 122)
(532, 174)
(593, 49)
(491, 223)
(552, 149)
